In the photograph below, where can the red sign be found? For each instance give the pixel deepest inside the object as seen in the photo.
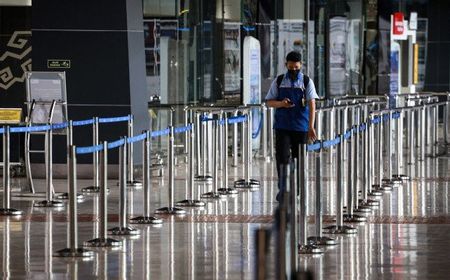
(398, 27)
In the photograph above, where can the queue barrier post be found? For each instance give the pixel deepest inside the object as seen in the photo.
(94, 188)
(7, 210)
(189, 201)
(301, 174)
(318, 239)
(171, 209)
(102, 239)
(73, 250)
(123, 228)
(214, 194)
(339, 228)
(131, 182)
(146, 218)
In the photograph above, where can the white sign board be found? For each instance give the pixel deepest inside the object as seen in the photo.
(44, 88)
(252, 82)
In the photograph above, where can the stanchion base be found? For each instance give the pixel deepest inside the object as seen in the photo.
(103, 242)
(10, 212)
(252, 184)
(227, 191)
(146, 220)
(134, 184)
(401, 177)
(394, 182)
(340, 230)
(385, 188)
(213, 195)
(191, 203)
(65, 196)
(47, 203)
(369, 203)
(309, 249)
(203, 178)
(321, 241)
(91, 189)
(124, 231)
(354, 218)
(171, 211)
(363, 210)
(375, 194)
(74, 253)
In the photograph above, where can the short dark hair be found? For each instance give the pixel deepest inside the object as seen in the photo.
(294, 57)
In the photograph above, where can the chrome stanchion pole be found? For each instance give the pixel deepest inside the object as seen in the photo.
(366, 204)
(203, 177)
(319, 239)
(95, 141)
(383, 185)
(301, 172)
(123, 228)
(235, 141)
(214, 194)
(339, 228)
(374, 193)
(225, 189)
(247, 182)
(434, 123)
(352, 160)
(7, 210)
(197, 142)
(391, 179)
(446, 117)
(291, 188)
(411, 137)
(281, 218)
(264, 133)
(49, 202)
(422, 135)
(131, 182)
(102, 240)
(146, 218)
(360, 208)
(190, 201)
(73, 250)
(171, 209)
(270, 128)
(70, 143)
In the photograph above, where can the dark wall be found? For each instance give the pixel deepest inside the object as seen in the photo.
(15, 59)
(437, 75)
(104, 41)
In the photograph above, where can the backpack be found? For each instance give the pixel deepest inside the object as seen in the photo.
(305, 81)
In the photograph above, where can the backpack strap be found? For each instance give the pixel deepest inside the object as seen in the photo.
(305, 81)
(279, 80)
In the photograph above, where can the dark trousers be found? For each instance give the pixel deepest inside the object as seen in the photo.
(286, 147)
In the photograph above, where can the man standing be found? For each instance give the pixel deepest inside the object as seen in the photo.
(293, 95)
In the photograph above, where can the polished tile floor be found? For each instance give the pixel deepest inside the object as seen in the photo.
(408, 237)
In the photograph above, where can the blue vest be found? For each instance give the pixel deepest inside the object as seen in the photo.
(295, 118)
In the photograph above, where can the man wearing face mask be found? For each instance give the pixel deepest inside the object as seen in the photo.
(293, 96)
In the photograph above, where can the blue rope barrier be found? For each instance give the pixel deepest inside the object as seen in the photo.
(115, 144)
(362, 127)
(347, 134)
(2, 130)
(137, 138)
(182, 129)
(332, 142)
(60, 125)
(21, 129)
(160, 133)
(83, 122)
(314, 147)
(88, 150)
(239, 119)
(114, 119)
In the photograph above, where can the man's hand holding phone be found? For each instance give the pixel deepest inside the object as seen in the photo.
(287, 103)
